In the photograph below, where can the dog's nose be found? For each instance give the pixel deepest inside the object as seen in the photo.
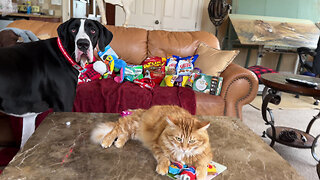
(83, 44)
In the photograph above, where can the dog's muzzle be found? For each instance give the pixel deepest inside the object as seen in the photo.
(83, 45)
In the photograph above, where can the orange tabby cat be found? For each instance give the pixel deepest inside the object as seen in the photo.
(170, 132)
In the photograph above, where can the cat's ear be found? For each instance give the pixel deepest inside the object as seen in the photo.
(170, 121)
(203, 125)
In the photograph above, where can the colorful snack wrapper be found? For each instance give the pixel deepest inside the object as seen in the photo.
(202, 83)
(156, 67)
(185, 65)
(216, 85)
(133, 72)
(193, 76)
(208, 84)
(174, 80)
(171, 65)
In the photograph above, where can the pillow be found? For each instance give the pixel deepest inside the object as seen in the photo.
(213, 61)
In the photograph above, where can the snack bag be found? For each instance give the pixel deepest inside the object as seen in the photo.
(133, 72)
(171, 65)
(185, 65)
(156, 67)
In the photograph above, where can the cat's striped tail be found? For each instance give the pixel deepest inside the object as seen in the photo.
(100, 131)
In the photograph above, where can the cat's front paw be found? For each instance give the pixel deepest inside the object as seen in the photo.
(107, 142)
(122, 139)
(201, 173)
(163, 167)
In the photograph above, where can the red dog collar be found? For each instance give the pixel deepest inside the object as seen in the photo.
(71, 61)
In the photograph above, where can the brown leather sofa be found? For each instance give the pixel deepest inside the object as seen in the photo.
(134, 45)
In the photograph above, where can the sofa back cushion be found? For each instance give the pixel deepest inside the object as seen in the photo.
(162, 43)
(130, 44)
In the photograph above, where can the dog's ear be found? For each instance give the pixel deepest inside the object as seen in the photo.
(63, 32)
(105, 36)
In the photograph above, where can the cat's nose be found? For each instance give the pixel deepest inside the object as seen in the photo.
(184, 149)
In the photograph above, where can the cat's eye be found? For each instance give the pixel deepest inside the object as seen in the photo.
(178, 139)
(192, 141)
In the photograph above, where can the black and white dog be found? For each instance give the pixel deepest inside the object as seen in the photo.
(40, 75)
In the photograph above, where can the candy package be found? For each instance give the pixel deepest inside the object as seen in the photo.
(155, 66)
(174, 80)
(208, 84)
(195, 73)
(133, 72)
(202, 83)
(216, 85)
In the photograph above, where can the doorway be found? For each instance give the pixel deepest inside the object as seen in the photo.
(110, 10)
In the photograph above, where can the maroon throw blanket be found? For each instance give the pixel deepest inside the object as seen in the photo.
(108, 96)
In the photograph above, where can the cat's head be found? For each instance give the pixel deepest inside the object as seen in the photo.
(186, 136)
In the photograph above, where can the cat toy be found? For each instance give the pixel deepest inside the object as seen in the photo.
(176, 168)
(211, 169)
(188, 173)
(125, 113)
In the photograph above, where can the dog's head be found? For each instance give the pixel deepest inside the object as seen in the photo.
(80, 36)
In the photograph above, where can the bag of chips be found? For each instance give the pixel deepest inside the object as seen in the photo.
(156, 67)
(185, 65)
(171, 65)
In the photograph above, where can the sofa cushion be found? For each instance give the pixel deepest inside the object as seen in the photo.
(161, 43)
(129, 43)
(213, 61)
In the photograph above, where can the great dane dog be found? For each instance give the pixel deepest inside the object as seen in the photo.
(41, 75)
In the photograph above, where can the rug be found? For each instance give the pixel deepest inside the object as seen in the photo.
(288, 101)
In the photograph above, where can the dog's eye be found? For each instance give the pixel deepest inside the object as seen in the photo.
(93, 31)
(73, 30)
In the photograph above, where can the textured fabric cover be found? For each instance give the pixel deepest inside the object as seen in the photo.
(213, 61)
(259, 70)
(108, 96)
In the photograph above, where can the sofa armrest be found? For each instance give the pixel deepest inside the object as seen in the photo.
(239, 87)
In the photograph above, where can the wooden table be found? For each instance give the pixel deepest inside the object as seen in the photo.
(275, 34)
(276, 83)
(61, 151)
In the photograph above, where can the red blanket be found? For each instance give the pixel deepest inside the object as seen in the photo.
(108, 96)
